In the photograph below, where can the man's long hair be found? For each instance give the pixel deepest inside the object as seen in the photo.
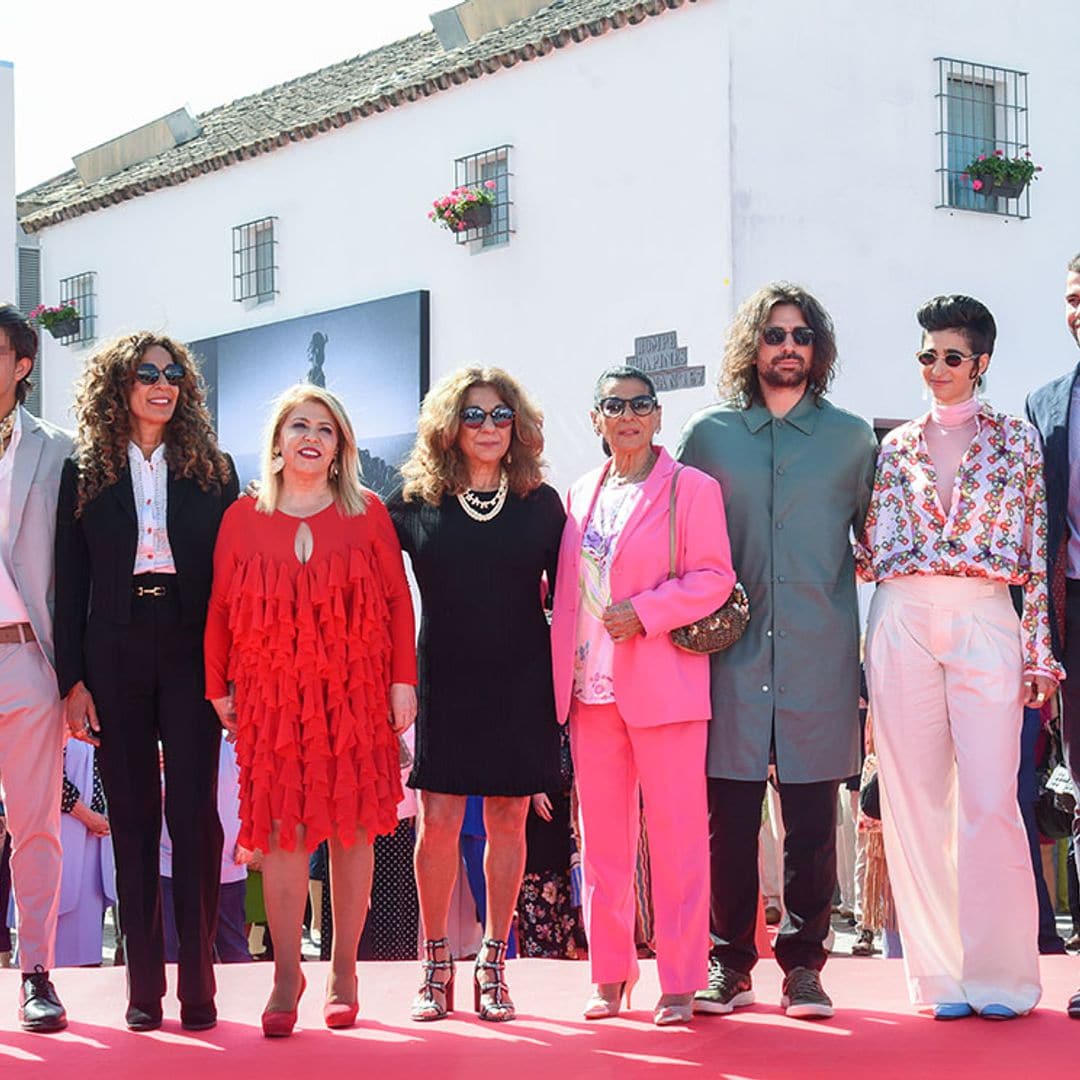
(738, 375)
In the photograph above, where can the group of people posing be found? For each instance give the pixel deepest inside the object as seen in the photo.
(170, 607)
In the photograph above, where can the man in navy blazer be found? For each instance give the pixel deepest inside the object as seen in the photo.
(1055, 410)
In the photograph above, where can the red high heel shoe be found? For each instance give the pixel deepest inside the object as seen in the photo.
(277, 1023)
(342, 1014)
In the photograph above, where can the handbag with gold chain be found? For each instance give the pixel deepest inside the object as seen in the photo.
(715, 632)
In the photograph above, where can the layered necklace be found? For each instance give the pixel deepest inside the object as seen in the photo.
(7, 429)
(480, 509)
(639, 474)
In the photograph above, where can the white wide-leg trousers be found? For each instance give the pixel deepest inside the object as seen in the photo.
(944, 667)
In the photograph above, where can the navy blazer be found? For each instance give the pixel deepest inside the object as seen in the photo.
(1048, 409)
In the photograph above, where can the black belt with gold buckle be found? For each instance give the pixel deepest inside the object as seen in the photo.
(150, 590)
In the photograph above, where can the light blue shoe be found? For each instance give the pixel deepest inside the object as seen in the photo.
(953, 1010)
(998, 1012)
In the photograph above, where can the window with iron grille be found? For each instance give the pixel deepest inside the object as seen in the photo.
(981, 109)
(475, 170)
(255, 260)
(81, 290)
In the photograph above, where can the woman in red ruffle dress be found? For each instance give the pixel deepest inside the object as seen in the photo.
(311, 663)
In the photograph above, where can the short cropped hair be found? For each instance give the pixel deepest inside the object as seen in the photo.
(23, 338)
(962, 313)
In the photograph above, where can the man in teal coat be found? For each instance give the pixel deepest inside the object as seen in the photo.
(796, 473)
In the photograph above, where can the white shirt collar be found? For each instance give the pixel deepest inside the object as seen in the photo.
(135, 455)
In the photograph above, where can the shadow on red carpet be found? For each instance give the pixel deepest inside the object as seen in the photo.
(873, 1035)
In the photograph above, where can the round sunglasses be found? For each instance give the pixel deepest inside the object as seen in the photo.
(149, 374)
(952, 357)
(777, 335)
(472, 416)
(641, 405)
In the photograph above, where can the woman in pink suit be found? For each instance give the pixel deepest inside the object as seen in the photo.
(638, 706)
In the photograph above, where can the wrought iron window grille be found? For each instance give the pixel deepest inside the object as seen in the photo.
(255, 260)
(475, 170)
(981, 108)
(81, 290)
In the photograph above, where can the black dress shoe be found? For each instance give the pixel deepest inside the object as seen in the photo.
(1073, 1008)
(39, 1007)
(198, 1017)
(143, 1017)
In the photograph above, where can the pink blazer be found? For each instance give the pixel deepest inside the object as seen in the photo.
(655, 683)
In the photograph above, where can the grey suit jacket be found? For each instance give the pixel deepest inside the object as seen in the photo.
(35, 485)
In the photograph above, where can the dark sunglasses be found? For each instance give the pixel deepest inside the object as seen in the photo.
(149, 374)
(641, 405)
(951, 357)
(472, 416)
(777, 335)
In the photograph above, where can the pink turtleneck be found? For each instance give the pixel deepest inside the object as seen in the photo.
(948, 431)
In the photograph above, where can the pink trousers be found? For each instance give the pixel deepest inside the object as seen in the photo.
(31, 775)
(611, 760)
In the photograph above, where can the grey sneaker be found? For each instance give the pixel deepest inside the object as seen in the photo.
(803, 998)
(728, 990)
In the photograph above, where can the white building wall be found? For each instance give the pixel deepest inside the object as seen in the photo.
(835, 152)
(8, 256)
(620, 197)
(661, 173)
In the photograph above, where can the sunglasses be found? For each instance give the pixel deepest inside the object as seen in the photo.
(472, 416)
(951, 357)
(777, 335)
(149, 374)
(641, 405)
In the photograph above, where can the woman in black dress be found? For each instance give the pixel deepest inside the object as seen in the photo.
(482, 531)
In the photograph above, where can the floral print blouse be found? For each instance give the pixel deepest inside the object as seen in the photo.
(995, 529)
(594, 657)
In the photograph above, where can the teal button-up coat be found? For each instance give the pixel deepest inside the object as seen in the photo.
(794, 489)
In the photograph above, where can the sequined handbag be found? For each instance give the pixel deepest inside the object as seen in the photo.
(715, 632)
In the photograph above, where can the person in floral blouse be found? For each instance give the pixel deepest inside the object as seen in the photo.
(957, 515)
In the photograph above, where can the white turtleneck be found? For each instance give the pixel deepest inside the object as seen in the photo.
(948, 431)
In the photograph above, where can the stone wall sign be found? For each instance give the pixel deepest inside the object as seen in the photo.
(665, 360)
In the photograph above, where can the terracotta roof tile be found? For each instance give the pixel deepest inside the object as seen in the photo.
(396, 74)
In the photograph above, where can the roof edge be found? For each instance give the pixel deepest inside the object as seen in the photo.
(631, 15)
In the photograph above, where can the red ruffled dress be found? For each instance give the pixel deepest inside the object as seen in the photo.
(311, 649)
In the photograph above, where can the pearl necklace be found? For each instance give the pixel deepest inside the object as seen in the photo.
(485, 509)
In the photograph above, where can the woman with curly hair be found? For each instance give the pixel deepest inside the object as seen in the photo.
(482, 530)
(311, 662)
(140, 505)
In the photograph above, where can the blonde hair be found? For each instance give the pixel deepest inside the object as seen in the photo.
(436, 466)
(349, 494)
(104, 418)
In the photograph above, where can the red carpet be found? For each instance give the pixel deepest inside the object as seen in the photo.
(874, 1034)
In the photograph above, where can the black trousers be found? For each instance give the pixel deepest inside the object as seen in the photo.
(147, 682)
(809, 812)
(1070, 698)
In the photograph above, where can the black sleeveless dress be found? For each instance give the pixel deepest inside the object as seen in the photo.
(486, 722)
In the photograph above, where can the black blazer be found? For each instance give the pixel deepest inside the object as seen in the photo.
(1048, 409)
(95, 555)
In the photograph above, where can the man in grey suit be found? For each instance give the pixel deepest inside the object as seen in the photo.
(796, 473)
(31, 721)
(1055, 410)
